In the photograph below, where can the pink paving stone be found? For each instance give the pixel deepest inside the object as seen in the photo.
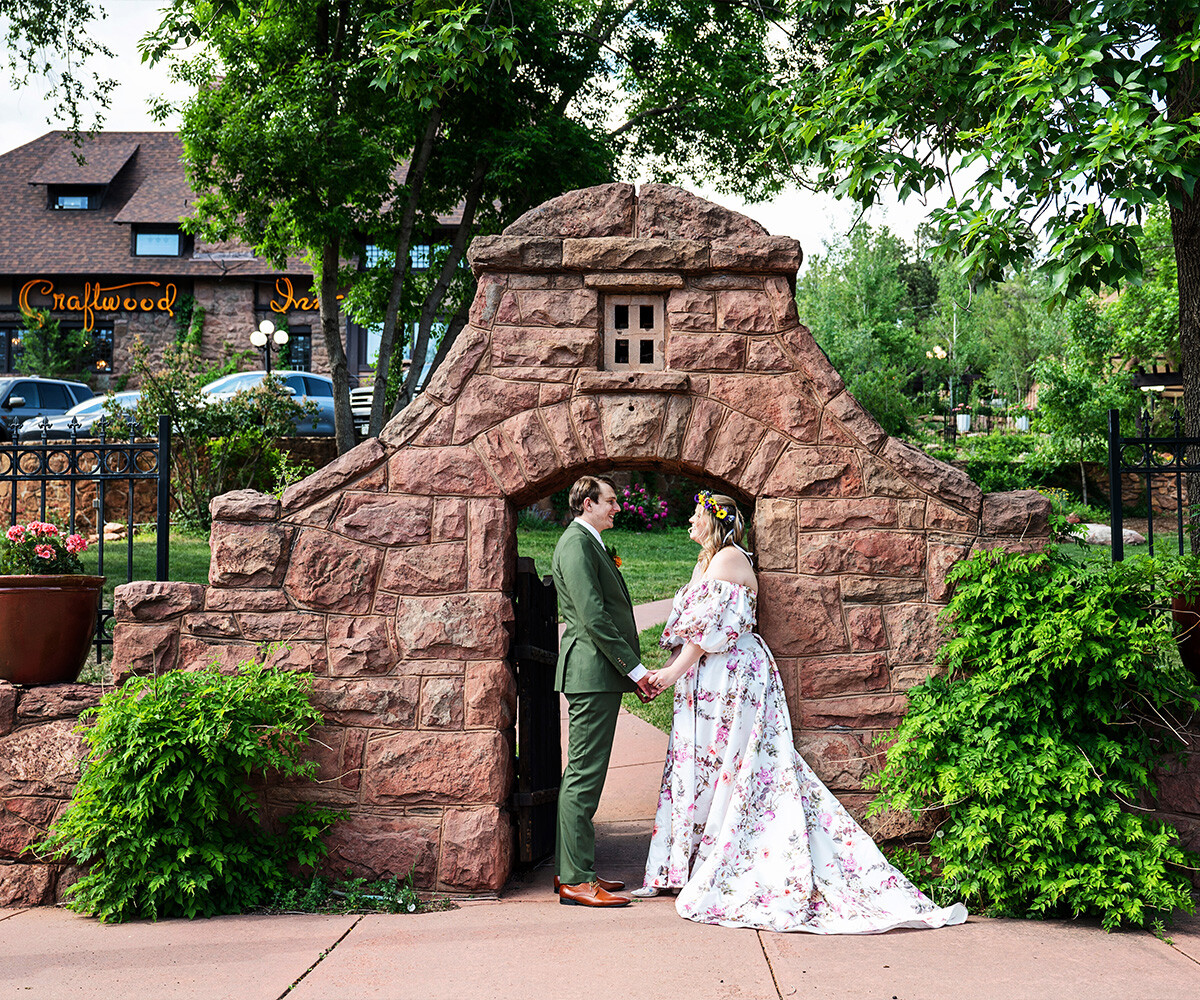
(745, 312)
(476, 848)
(800, 615)
(665, 211)
(490, 694)
(566, 348)
(765, 355)
(144, 649)
(244, 505)
(490, 545)
(146, 601)
(532, 444)
(815, 472)
(604, 210)
(885, 553)
(474, 625)
(632, 425)
(247, 555)
(384, 518)
(486, 401)
(706, 352)
(434, 767)
(823, 676)
(437, 568)
(384, 847)
(442, 703)
(784, 402)
(361, 645)
(914, 632)
(330, 573)
(860, 512)
(440, 472)
(341, 471)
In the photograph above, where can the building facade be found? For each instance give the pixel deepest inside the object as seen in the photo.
(95, 238)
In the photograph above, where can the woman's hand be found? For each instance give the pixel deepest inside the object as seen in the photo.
(679, 663)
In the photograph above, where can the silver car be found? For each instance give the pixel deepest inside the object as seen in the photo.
(26, 396)
(81, 418)
(304, 387)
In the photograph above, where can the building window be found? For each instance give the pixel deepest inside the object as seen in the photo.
(299, 349)
(11, 347)
(73, 199)
(418, 257)
(374, 255)
(633, 332)
(157, 244)
(102, 349)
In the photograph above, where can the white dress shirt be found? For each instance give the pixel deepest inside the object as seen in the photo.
(640, 671)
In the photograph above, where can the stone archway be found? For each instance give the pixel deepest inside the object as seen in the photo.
(387, 573)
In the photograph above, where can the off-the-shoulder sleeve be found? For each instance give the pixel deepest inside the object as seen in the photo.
(712, 614)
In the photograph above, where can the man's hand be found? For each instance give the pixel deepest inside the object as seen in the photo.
(646, 690)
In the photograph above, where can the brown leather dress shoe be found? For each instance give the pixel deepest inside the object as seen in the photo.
(608, 885)
(589, 894)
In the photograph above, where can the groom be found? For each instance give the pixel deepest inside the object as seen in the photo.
(599, 658)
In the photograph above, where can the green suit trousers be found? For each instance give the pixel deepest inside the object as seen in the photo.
(591, 723)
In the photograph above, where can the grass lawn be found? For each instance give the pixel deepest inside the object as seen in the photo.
(654, 564)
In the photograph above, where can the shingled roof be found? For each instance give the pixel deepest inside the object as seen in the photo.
(146, 184)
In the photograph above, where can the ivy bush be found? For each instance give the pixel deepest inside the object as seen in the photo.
(1038, 746)
(165, 817)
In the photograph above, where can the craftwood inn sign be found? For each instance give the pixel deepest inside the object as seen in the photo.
(137, 296)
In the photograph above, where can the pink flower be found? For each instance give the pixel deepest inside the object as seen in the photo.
(16, 533)
(43, 528)
(76, 544)
(44, 551)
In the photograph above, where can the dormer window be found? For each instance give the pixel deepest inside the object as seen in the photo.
(161, 241)
(633, 332)
(73, 198)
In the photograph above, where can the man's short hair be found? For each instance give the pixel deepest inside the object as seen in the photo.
(588, 488)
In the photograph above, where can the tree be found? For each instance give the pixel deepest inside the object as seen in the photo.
(50, 351)
(1066, 121)
(48, 39)
(320, 127)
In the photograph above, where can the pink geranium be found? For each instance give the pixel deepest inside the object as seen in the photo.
(16, 533)
(44, 551)
(76, 544)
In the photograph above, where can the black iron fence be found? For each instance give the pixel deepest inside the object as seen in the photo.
(85, 481)
(1151, 461)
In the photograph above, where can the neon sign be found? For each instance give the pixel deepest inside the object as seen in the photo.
(99, 298)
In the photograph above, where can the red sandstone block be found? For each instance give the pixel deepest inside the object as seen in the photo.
(384, 518)
(867, 711)
(377, 846)
(476, 849)
(330, 573)
(706, 352)
(433, 768)
(437, 568)
(361, 645)
(823, 676)
(442, 703)
(815, 472)
(800, 615)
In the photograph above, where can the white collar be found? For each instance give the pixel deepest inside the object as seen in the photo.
(595, 533)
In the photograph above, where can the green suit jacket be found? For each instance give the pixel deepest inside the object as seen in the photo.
(600, 644)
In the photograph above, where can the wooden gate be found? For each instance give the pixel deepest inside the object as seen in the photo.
(539, 743)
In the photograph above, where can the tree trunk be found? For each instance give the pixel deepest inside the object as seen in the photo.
(343, 420)
(1182, 103)
(413, 181)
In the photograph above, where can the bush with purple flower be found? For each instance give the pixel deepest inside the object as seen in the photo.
(40, 548)
(640, 510)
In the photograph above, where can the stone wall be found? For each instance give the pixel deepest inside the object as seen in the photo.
(39, 765)
(387, 574)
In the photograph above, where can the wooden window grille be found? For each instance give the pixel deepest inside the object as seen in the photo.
(633, 332)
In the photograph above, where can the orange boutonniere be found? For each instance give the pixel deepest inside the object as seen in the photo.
(612, 554)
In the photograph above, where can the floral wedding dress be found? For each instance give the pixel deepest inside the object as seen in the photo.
(744, 830)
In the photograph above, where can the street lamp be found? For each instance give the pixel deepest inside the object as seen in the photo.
(265, 333)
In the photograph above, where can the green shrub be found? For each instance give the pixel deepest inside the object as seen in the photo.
(1039, 744)
(165, 815)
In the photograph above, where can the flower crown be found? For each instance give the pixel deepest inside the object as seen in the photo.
(705, 499)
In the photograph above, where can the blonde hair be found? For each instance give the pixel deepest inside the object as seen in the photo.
(729, 530)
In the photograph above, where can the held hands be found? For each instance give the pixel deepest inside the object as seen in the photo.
(646, 691)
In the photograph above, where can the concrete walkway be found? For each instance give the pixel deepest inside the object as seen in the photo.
(524, 945)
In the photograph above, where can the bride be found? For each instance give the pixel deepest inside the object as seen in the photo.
(745, 831)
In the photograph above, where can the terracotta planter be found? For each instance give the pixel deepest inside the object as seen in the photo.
(46, 627)
(1186, 613)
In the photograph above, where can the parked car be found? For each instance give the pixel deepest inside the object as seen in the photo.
(304, 386)
(26, 396)
(83, 415)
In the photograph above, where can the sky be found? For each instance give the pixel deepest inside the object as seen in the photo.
(810, 218)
